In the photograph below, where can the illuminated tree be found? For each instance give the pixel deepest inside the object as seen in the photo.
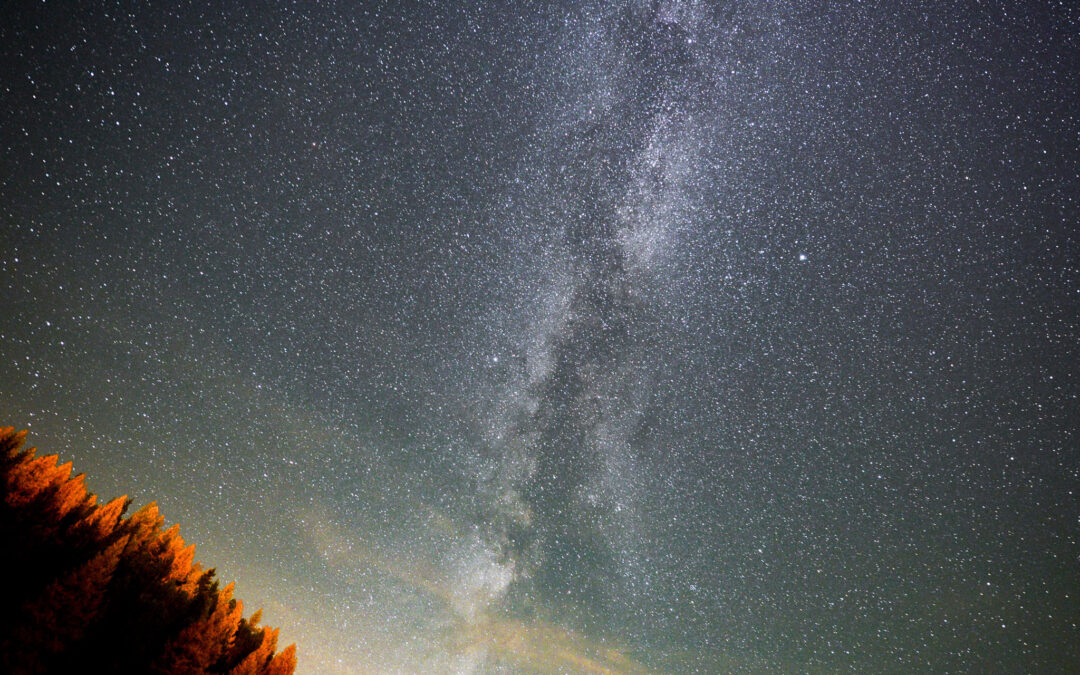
(101, 521)
(67, 606)
(206, 639)
(283, 663)
(89, 589)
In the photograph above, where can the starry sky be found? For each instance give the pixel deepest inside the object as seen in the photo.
(585, 337)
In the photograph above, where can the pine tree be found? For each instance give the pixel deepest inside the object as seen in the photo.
(143, 525)
(257, 644)
(11, 441)
(61, 615)
(101, 521)
(284, 663)
(90, 588)
(71, 496)
(32, 476)
(205, 640)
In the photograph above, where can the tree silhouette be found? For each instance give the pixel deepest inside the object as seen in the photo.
(89, 588)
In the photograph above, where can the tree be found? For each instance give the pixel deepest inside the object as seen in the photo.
(101, 521)
(284, 663)
(205, 640)
(88, 587)
(59, 617)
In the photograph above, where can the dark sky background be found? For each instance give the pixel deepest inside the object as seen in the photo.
(669, 337)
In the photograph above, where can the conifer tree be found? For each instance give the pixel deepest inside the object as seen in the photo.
(71, 496)
(260, 647)
(101, 521)
(284, 663)
(206, 640)
(67, 606)
(33, 476)
(90, 589)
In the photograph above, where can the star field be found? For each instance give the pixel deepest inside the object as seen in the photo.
(671, 337)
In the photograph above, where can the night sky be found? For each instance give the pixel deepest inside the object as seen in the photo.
(602, 337)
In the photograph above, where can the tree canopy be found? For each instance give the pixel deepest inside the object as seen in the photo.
(89, 586)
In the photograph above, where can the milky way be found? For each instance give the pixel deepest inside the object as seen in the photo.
(611, 337)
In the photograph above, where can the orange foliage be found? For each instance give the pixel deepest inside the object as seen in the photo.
(30, 478)
(71, 495)
(117, 593)
(284, 663)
